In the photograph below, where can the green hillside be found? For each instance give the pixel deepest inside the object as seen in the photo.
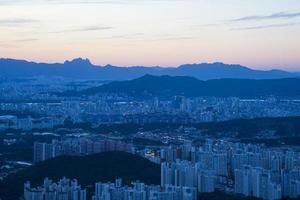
(88, 170)
(166, 86)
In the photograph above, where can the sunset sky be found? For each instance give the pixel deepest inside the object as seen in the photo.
(260, 34)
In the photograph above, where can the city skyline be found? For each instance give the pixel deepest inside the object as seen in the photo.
(258, 34)
(149, 99)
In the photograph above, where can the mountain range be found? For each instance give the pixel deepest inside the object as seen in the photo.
(83, 69)
(150, 85)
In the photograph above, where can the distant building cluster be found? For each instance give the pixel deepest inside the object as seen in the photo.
(64, 189)
(29, 123)
(80, 146)
(67, 189)
(119, 108)
(140, 191)
(244, 169)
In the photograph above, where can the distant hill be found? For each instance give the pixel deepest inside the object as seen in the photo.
(83, 69)
(88, 170)
(207, 71)
(285, 127)
(245, 128)
(188, 86)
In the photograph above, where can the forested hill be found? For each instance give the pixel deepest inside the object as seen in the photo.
(188, 86)
(87, 170)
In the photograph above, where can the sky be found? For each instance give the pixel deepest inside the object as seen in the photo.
(261, 34)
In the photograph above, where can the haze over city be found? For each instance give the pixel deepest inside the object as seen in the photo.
(260, 34)
(149, 100)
